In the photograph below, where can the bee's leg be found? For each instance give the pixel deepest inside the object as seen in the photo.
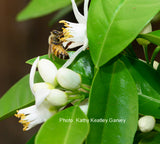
(68, 44)
(49, 51)
(53, 57)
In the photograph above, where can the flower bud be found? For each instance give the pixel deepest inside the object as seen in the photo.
(155, 65)
(47, 71)
(146, 123)
(42, 85)
(41, 91)
(57, 97)
(147, 29)
(68, 79)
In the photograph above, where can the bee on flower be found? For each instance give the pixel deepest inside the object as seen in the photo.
(75, 34)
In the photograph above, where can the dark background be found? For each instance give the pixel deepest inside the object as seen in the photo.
(20, 41)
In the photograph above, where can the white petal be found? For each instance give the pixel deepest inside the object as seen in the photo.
(47, 71)
(68, 79)
(27, 110)
(75, 54)
(32, 74)
(33, 115)
(84, 106)
(73, 44)
(57, 97)
(86, 9)
(78, 32)
(40, 95)
(80, 18)
(41, 91)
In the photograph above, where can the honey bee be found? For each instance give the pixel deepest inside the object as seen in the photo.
(55, 45)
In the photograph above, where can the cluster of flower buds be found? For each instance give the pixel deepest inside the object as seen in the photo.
(146, 123)
(50, 95)
(60, 86)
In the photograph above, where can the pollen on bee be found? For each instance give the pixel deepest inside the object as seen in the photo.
(66, 34)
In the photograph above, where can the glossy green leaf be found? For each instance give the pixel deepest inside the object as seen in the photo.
(64, 128)
(112, 25)
(62, 13)
(153, 37)
(37, 8)
(113, 97)
(31, 141)
(18, 96)
(142, 137)
(82, 65)
(151, 138)
(148, 82)
(138, 136)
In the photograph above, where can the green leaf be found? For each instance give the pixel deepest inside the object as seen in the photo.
(64, 128)
(31, 141)
(113, 97)
(112, 25)
(147, 81)
(144, 137)
(154, 54)
(62, 13)
(153, 37)
(18, 96)
(82, 65)
(37, 8)
(151, 138)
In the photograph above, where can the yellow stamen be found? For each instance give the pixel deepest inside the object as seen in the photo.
(65, 23)
(66, 32)
(22, 121)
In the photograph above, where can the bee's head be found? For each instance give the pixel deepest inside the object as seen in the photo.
(56, 32)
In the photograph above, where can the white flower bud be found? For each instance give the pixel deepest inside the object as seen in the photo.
(155, 65)
(146, 123)
(57, 97)
(42, 85)
(68, 79)
(47, 71)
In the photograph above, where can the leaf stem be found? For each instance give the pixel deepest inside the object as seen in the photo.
(85, 87)
(75, 97)
(155, 52)
(145, 49)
